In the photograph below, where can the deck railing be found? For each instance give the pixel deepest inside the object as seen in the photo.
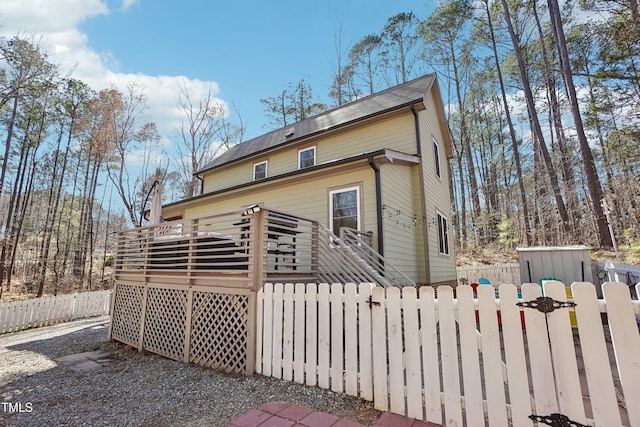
(242, 246)
(245, 248)
(208, 245)
(236, 245)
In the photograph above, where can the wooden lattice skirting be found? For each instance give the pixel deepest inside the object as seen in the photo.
(209, 326)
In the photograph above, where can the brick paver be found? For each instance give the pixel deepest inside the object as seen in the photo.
(284, 414)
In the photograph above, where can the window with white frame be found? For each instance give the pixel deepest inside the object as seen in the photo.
(306, 157)
(436, 155)
(259, 170)
(344, 209)
(443, 234)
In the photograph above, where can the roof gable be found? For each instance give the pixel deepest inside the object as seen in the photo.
(387, 100)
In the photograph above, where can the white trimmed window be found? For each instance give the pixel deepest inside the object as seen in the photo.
(443, 234)
(344, 209)
(436, 156)
(306, 157)
(259, 170)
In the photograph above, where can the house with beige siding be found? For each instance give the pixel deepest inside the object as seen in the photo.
(374, 172)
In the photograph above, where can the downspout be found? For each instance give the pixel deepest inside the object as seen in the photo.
(201, 183)
(423, 197)
(417, 127)
(376, 172)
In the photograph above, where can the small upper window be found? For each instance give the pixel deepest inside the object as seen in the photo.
(259, 170)
(436, 155)
(306, 158)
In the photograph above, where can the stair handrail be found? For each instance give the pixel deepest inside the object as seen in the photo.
(354, 239)
(338, 263)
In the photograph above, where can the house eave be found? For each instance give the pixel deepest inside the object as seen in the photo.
(397, 157)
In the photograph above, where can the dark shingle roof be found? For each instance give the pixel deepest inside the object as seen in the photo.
(381, 102)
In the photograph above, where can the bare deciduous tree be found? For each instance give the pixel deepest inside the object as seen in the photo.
(205, 132)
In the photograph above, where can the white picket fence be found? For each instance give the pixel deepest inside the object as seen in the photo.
(456, 359)
(45, 311)
(616, 272)
(495, 273)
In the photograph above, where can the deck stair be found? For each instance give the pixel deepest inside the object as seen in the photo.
(350, 258)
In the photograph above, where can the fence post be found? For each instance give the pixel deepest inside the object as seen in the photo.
(193, 249)
(74, 309)
(257, 249)
(187, 326)
(251, 334)
(143, 312)
(147, 255)
(112, 304)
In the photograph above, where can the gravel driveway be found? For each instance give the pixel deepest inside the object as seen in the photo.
(39, 386)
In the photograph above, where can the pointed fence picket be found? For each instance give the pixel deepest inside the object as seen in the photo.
(626, 344)
(469, 356)
(457, 358)
(594, 352)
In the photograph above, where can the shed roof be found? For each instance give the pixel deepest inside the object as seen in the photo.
(387, 100)
(553, 248)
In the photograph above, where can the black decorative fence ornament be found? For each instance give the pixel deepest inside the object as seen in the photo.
(546, 304)
(556, 420)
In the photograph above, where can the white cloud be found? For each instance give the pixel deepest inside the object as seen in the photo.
(126, 4)
(162, 95)
(141, 157)
(57, 22)
(47, 17)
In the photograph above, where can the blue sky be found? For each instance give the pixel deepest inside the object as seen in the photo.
(240, 51)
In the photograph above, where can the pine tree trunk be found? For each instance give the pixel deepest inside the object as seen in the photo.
(466, 142)
(463, 206)
(19, 220)
(49, 221)
(593, 182)
(566, 169)
(535, 122)
(512, 134)
(5, 163)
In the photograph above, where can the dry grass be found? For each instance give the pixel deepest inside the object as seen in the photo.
(492, 254)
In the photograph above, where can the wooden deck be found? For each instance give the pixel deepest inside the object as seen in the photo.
(246, 249)
(232, 249)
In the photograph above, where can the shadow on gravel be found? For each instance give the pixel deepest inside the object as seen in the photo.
(37, 369)
(89, 338)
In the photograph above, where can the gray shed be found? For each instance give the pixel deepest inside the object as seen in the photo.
(565, 263)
